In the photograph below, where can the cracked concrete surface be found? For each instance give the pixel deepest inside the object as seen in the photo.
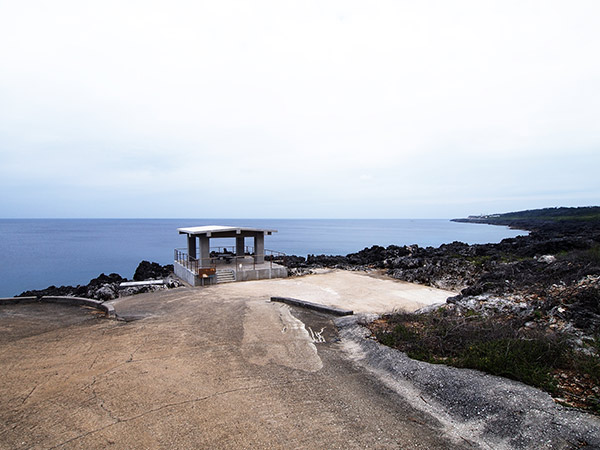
(197, 368)
(217, 367)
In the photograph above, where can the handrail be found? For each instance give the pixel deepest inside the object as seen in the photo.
(196, 265)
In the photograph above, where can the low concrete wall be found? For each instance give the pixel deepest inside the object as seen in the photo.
(314, 306)
(108, 309)
(262, 274)
(189, 277)
(127, 284)
(184, 274)
(276, 271)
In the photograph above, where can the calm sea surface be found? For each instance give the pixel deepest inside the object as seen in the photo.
(37, 253)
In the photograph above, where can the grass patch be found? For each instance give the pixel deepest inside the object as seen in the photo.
(529, 361)
(587, 256)
(500, 346)
(479, 260)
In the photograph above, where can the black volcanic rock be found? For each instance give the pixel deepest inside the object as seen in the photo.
(104, 279)
(150, 270)
(327, 260)
(50, 291)
(293, 261)
(106, 287)
(556, 267)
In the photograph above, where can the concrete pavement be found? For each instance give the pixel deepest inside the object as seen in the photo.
(223, 367)
(192, 369)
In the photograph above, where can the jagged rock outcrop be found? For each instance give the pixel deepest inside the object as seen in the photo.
(106, 287)
(152, 271)
(551, 270)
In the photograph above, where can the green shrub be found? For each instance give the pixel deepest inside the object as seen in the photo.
(500, 346)
(529, 361)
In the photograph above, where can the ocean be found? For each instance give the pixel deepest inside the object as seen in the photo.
(37, 253)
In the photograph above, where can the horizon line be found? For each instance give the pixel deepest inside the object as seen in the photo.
(228, 218)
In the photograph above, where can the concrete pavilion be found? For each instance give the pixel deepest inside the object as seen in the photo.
(200, 264)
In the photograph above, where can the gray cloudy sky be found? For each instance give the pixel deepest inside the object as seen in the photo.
(424, 109)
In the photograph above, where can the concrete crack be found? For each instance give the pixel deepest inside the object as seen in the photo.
(29, 395)
(118, 420)
(137, 349)
(89, 385)
(108, 411)
(94, 362)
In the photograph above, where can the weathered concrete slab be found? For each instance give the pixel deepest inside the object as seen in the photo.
(314, 306)
(356, 291)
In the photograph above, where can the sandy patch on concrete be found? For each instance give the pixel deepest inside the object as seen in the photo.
(344, 289)
(274, 335)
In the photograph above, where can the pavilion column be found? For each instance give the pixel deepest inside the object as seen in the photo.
(191, 242)
(259, 248)
(204, 251)
(239, 246)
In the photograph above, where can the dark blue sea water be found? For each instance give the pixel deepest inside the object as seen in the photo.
(37, 253)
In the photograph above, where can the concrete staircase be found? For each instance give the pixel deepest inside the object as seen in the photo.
(225, 276)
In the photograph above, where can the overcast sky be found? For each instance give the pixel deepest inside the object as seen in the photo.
(281, 109)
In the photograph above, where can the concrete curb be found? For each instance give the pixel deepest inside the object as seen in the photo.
(108, 309)
(313, 306)
(14, 300)
(127, 284)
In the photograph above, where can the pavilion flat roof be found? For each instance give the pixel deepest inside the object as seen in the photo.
(216, 229)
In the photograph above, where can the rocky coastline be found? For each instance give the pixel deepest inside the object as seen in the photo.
(107, 287)
(553, 271)
(546, 283)
(557, 266)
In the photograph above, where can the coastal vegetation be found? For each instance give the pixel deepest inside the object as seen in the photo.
(552, 214)
(502, 345)
(529, 219)
(528, 307)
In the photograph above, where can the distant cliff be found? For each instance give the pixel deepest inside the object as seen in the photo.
(565, 220)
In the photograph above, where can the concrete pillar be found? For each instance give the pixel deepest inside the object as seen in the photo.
(239, 246)
(204, 251)
(259, 248)
(191, 246)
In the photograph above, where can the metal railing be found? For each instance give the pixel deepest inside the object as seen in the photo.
(221, 257)
(191, 263)
(248, 249)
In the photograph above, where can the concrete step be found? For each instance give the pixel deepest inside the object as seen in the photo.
(225, 276)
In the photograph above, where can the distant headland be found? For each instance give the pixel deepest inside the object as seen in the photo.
(549, 219)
